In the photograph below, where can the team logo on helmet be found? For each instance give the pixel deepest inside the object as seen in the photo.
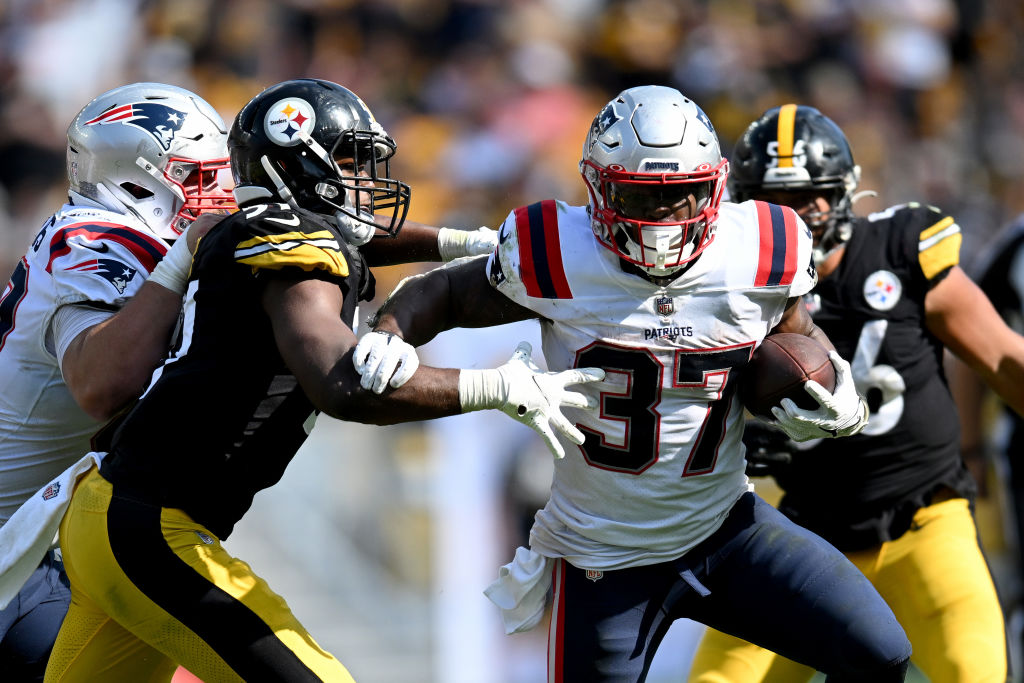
(159, 120)
(114, 272)
(882, 290)
(287, 118)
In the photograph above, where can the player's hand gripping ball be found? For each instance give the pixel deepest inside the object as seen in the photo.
(778, 370)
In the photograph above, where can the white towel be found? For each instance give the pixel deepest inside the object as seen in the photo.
(30, 532)
(521, 590)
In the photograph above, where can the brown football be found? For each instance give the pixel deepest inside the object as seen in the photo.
(778, 370)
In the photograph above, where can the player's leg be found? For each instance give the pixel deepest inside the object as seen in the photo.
(169, 582)
(721, 658)
(776, 584)
(29, 624)
(937, 582)
(606, 626)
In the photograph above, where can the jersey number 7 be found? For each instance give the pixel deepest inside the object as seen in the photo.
(709, 373)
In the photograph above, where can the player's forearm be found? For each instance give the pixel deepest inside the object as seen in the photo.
(110, 363)
(415, 242)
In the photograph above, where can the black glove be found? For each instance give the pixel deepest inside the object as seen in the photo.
(769, 450)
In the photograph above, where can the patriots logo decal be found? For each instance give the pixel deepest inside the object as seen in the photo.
(606, 119)
(114, 272)
(703, 118)
(159, 120)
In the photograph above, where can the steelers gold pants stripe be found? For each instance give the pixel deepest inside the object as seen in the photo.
(151, 587)
(231, 628)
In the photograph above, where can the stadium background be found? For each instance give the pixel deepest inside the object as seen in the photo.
(382, 539)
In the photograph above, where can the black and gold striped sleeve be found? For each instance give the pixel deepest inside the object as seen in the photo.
(283, 239)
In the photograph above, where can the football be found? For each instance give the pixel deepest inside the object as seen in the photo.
(778, 370)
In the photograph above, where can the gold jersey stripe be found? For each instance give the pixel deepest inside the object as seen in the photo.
(787, 120)
(939, 248)
(315, 251)
(938, 227)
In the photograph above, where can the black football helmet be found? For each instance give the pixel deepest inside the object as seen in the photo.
(796, 148)
(286, 145)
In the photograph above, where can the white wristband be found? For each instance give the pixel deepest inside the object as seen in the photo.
(480, 389)
(172, 271)
(453, 244)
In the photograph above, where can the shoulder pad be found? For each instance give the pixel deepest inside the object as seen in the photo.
(99, 261)
(277, 236)
(529, 251)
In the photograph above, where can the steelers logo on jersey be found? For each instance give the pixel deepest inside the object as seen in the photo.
(287, 118)
(882, 290)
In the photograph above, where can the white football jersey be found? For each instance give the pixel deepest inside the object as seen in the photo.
(663, 460)
(82, 255)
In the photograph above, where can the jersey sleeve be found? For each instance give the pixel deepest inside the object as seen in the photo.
(784, 250)
(276, 238)
(932, 242)
(527, 265)
(100, 262)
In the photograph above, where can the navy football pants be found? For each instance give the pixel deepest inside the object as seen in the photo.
(759, 577)
(29, 624)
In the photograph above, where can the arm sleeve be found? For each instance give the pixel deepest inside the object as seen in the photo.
(67, 323)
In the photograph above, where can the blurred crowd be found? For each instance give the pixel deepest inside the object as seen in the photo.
(489, 100)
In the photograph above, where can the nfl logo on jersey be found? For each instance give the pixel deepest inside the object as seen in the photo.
(664, 305)
(51, 491)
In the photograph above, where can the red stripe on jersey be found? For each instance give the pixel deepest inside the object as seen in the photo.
(540, 251)
(764, 258)
(554, 249)
(526, 268)
(148, 250)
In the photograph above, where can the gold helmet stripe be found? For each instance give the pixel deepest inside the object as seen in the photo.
(787, 120)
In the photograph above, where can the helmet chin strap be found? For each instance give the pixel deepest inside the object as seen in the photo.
(356, 232)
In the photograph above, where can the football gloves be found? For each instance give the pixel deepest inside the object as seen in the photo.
(526, 394)
(453, 244)
(382, 359)
(840, 413)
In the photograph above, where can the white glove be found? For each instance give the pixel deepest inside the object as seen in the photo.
(520, 390)
(455, 244)
(172, 271)
(841, 413)
(383, 359)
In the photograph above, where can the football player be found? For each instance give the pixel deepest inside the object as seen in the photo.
(652, 518)
(897, 498)
(267, 340)
(89, 309)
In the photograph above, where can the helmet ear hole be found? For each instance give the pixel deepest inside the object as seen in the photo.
(137, 191)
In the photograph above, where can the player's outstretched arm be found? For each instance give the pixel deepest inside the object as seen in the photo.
(109, 362)
(318, 348)
(961, 316)
(417, 242)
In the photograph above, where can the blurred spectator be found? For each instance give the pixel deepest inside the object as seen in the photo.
(487, 97)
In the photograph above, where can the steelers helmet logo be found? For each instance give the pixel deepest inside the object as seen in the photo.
(882, 290)
(287, 118)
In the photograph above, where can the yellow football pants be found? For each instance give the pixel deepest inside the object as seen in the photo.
(152, 589)
(935, 580)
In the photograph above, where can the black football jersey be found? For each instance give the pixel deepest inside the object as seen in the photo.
(862, 490)
(223, 415)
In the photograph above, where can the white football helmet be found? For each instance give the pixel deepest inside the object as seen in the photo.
(648, 150)
(153, 150)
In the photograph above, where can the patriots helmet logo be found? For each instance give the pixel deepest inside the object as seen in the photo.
(159, 120)
(114, 272)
